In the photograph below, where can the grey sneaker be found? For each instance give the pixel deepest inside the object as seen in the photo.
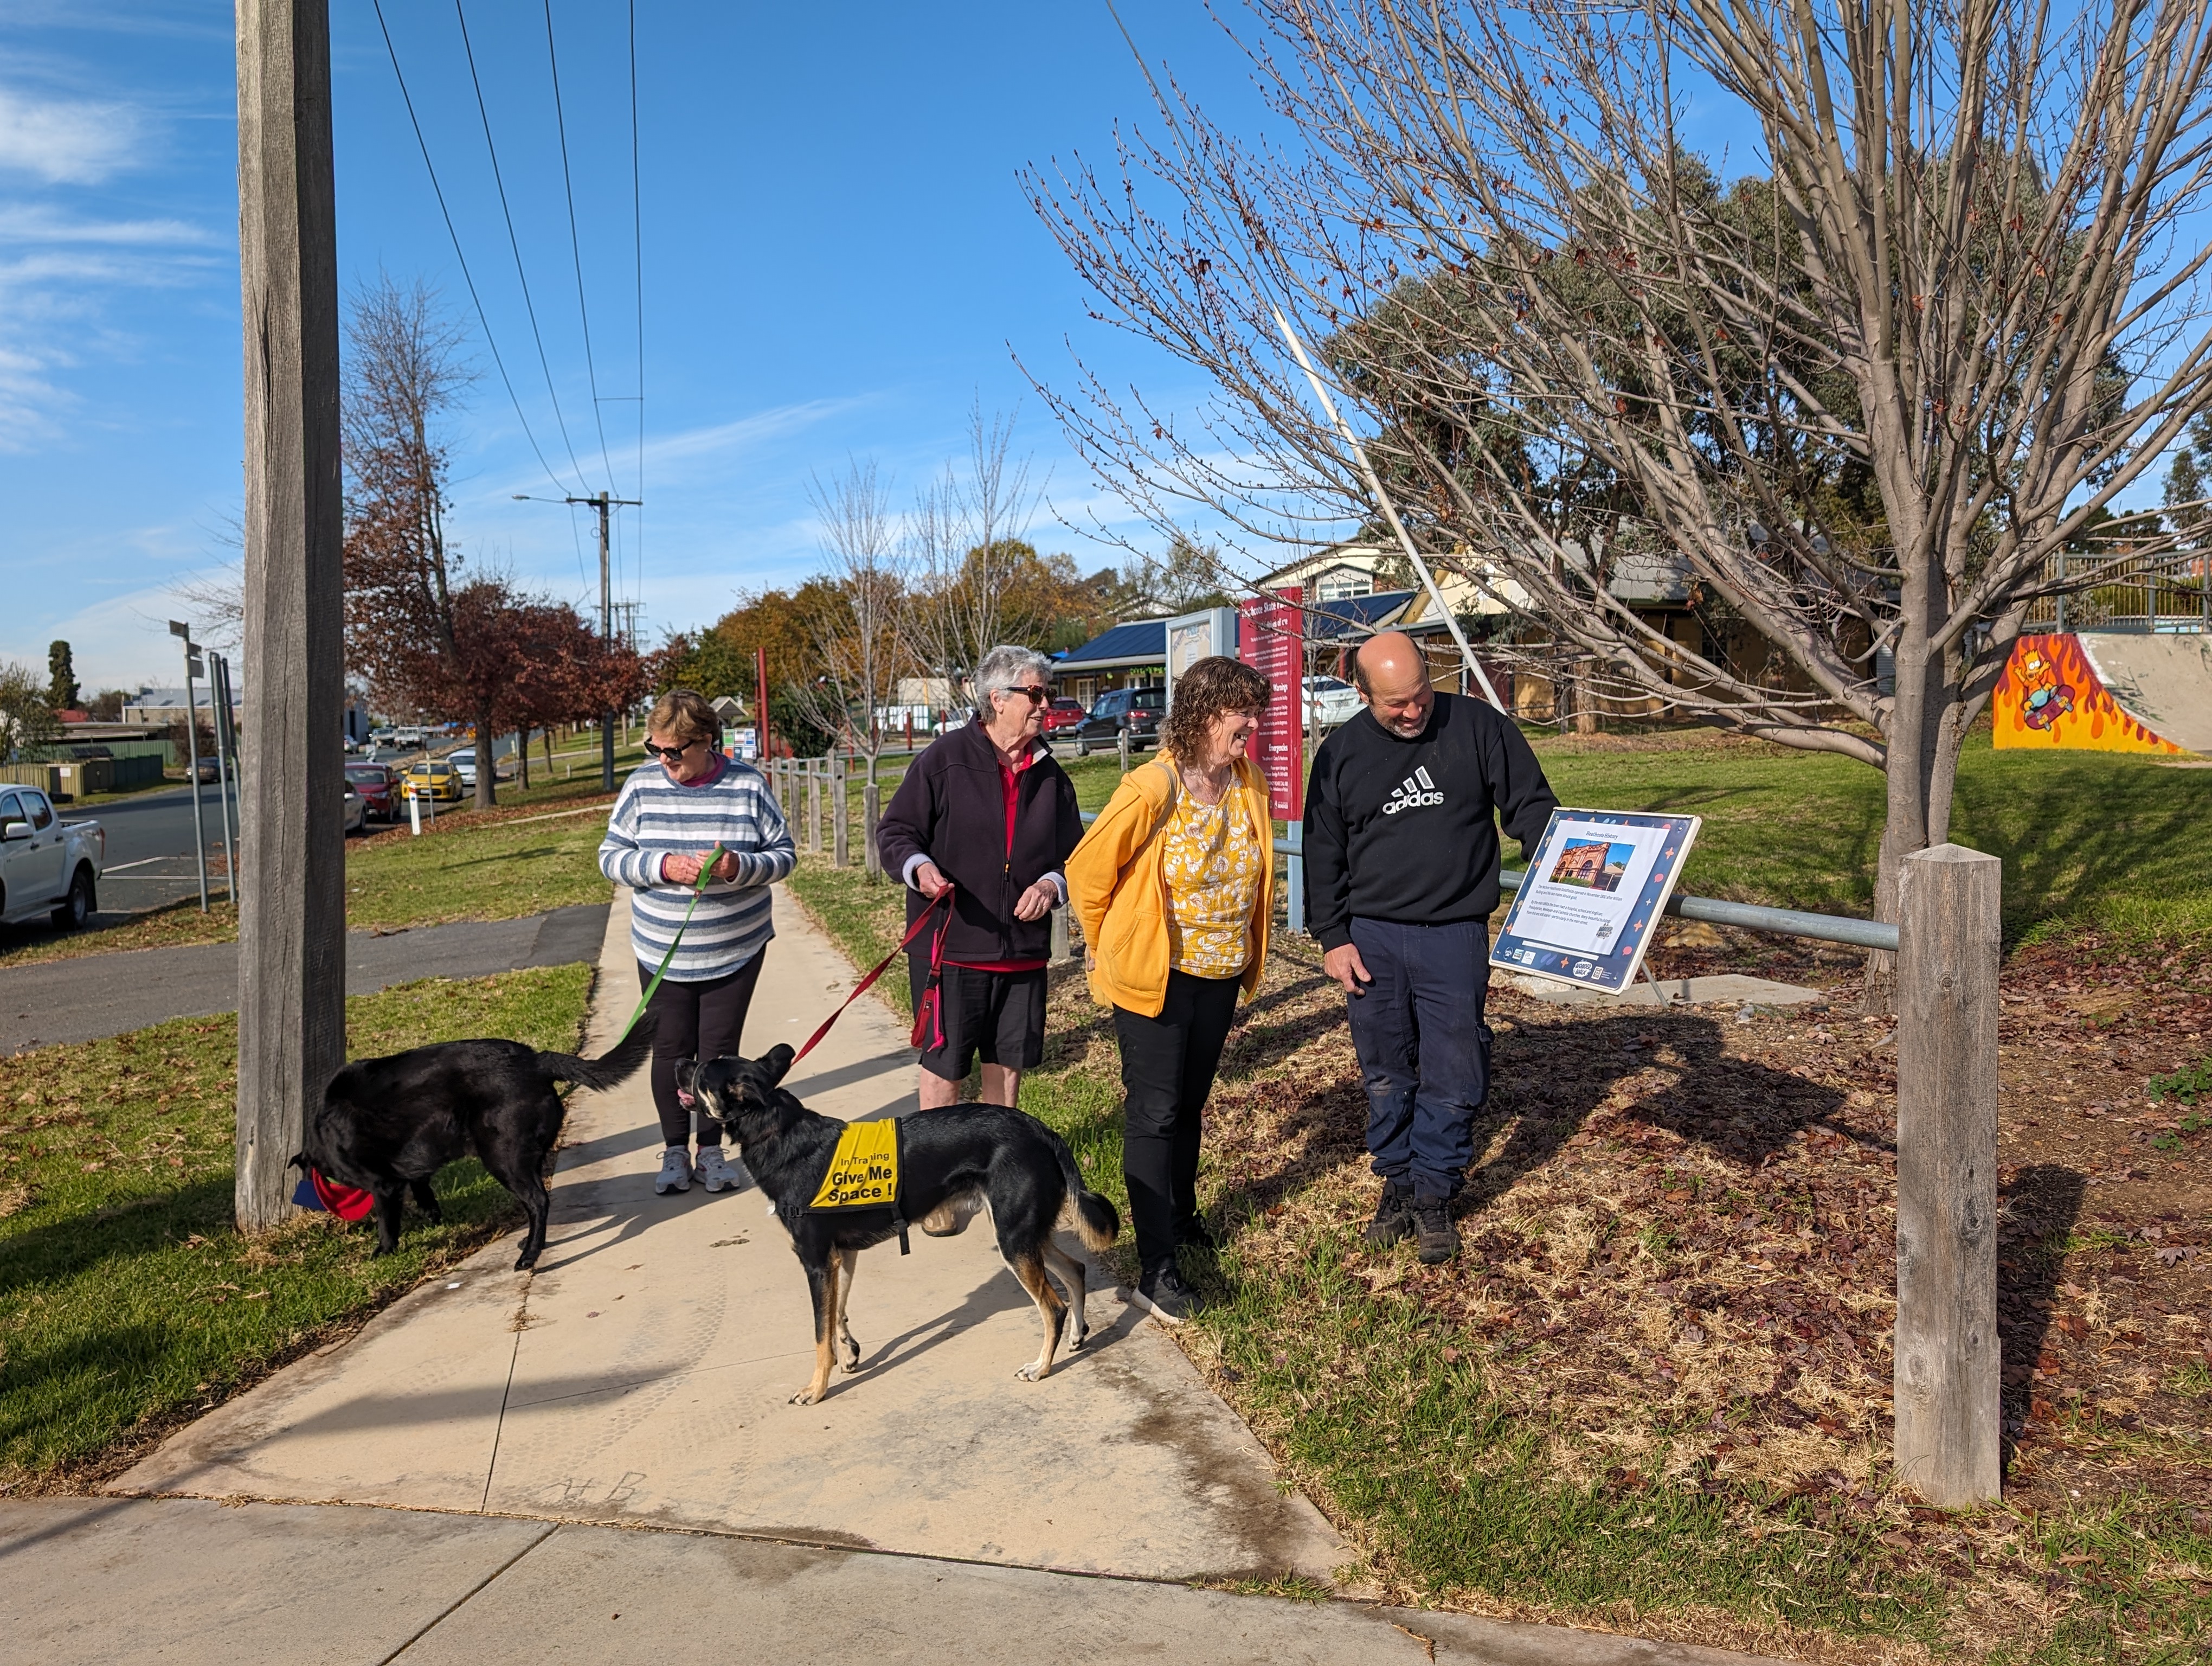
(1172, 1301)
(718, 1174)
(675, 1174)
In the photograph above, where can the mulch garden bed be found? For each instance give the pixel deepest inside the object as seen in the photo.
(1680, 1248)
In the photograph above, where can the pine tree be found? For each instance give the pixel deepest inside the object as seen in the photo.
(60, 677)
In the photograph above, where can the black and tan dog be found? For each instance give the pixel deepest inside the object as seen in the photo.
(387, 1125)
(953, 1162)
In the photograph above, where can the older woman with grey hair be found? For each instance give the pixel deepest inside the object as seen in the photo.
(986, 814)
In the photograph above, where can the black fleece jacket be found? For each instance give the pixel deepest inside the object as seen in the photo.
(951, 808)
(1403, 829)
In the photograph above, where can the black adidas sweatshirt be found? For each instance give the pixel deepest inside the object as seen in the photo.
(1403, 829)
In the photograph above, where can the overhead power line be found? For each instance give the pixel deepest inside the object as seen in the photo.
(514, 243)
(438, 191)
(576, 245)
(637, 243)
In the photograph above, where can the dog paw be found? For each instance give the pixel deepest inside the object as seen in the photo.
(852, 1358)
(806, 1396)
(1077, 1341)
(1029, 1373)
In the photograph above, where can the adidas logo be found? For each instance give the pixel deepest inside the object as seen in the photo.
(1413, 792)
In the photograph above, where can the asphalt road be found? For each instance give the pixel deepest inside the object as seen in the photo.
(149, 847)
(104, 994)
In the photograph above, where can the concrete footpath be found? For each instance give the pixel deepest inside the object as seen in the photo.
(600, 1462)
(87, 1582)
(105, 994)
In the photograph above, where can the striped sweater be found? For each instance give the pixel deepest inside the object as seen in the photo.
(654, 817)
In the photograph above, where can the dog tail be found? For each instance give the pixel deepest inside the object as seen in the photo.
(1096, 1222)
(610, 1069)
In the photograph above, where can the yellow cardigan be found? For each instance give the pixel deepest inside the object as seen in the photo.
(1114, 884)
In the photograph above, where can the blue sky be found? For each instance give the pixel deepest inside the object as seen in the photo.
(837, 259)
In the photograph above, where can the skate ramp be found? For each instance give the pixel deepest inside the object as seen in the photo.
(2054, 695)
(2164, 682)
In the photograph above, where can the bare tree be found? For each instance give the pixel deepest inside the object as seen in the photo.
(1852, 405)
(964, 542)
(854, 621)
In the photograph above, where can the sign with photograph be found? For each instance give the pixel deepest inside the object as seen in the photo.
(1272, 641)
(1593, 896)
(1194, 636)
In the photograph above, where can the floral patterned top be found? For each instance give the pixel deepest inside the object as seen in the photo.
(1210, 862)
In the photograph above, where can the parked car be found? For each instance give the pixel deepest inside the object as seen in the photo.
(408, 737)
(381, 738)
(379, 788)
(465, 760)
(436, 780)
(47, 865)
(1063, 714)
(356, 810)
(1136, 710)
(1331, 701)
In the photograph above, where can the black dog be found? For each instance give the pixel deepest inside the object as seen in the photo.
(952, 1162)
(387, 1125)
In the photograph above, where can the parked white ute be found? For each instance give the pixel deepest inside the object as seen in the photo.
(47, 865)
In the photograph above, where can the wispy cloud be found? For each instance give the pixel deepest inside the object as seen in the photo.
(66, 141)
(35, 223)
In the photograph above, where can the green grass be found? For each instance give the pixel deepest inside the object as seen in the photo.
(128, 1302)
(2090, 840)
(499, 870)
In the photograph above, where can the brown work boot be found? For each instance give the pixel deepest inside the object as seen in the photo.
(1394, 1216)
(1434, 1235)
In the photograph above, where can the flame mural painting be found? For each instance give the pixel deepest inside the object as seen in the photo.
(2050, 696)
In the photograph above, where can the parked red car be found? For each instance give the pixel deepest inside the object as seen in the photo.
(1064, 714)
(379, 788)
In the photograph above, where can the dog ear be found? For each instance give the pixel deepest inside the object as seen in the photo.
(777, 1062)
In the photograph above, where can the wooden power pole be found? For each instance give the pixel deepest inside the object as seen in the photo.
(291, 1015)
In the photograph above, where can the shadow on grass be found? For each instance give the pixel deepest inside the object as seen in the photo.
(2036, 1216)
(2078, 832)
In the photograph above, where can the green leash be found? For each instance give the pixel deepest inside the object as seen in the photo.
(698, 890)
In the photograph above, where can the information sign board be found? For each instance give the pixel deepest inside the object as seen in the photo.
(1593, 894)
(1271, 639)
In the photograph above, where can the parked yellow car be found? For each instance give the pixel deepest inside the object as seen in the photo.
(437, 780)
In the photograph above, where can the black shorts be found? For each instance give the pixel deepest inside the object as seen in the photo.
(997, 1017)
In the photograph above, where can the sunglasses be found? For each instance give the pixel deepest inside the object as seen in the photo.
(1037, 692)
(665, 753)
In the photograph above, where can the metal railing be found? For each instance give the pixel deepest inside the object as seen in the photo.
(1746, 916)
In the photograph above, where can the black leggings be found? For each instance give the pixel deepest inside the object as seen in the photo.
(1167, 1074)
(702, 1021)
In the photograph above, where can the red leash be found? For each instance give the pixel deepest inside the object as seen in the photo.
(866, 984)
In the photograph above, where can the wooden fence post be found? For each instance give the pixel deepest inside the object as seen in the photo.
(813, 807)
(291, 929)
(871, 812)
(840, 819)
(1948, 1359)
(1122, 741)
(1060, 950)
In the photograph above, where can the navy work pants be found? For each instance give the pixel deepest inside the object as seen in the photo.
(1423, 1050)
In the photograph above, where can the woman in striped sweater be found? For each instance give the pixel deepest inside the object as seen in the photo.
(672, 813)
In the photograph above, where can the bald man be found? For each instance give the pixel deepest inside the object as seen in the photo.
(1401, 876)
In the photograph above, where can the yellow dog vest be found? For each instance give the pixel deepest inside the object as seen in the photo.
(864, 1172)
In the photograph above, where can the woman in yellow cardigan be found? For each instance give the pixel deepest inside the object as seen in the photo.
(1174, 885)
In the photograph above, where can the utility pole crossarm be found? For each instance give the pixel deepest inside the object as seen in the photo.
(606, 504)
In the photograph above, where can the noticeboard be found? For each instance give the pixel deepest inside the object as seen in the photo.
(1593, 896)
(1271, 639)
